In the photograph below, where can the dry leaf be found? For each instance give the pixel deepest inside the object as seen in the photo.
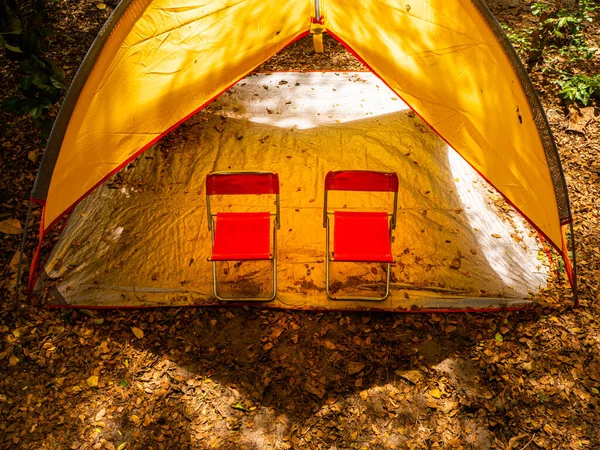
(101, 6)
(92, 381)
(413, 376)
(496, 235)
(435, 393)
(355, 368)
(100, 415)
(11, 226)
(330, 345)
(137, 332)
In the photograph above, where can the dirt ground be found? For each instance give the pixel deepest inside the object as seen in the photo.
(243, 378)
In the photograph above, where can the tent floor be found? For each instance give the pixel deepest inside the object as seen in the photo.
(141, 239)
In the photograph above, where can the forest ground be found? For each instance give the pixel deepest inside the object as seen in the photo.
(247, 378)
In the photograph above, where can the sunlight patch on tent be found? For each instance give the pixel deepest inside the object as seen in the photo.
(306, 100)
(497, 238)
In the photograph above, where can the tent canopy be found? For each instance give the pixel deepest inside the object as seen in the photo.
(157, 62)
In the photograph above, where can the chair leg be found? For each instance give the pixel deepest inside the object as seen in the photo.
(369, 299)
(245, 299)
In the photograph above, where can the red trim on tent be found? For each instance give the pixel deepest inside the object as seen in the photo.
(34, 260)
(562, 251)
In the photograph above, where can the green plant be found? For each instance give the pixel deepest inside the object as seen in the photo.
(580, 88)
(23, 34)
(520, 40)
(563, 30)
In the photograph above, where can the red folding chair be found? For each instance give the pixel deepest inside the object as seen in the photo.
(243, 236)
(360, 236)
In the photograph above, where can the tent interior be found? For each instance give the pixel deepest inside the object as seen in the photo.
(141, 238)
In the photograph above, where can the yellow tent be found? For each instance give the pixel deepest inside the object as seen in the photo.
(157, 62)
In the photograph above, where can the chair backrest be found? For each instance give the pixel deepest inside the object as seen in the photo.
(242, 183)
(361, 180)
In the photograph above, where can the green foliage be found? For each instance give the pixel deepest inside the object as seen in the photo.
(562, 29)
(23, 34)
(520, 40)
(580, 88)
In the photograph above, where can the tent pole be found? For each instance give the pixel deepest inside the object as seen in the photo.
(317, 10)
(575, 293)
(21, 252)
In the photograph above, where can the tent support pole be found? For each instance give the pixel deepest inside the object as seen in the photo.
(574, 251)
(21, 252)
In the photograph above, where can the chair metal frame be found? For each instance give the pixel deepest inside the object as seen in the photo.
(276, 226)
(329, 258)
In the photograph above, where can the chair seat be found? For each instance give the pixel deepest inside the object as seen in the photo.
(242, 236)
(362, 237)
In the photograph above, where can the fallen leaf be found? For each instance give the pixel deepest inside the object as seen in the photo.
(11, 226)
(100, 415)
(268, 346)
(92, 381)
(355, 368)
(101, 6)
(528, 366)
(413, 376)
(103, 347)
(330, 345)
(499, 337)
(435, 393)
(239, 406)
(137, 332)
(496, 235)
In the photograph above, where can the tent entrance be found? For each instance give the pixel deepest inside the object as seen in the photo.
(141, 239)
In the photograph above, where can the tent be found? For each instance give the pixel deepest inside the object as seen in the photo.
(156, 63)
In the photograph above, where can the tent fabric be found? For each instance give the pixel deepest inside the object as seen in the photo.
(163, 60)
(142, 239)
(445, 61)
(159, 61)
